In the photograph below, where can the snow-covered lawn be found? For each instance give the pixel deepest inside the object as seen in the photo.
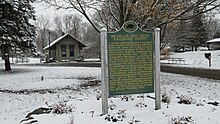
(28, 88)
(61, 85)
(197, 59)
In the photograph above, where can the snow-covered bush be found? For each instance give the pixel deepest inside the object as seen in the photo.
(166, 98)
(115, 117)
(61, 108)
(182, 120)
(186, 100)
(127, 98)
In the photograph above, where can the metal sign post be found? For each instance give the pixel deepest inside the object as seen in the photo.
(104, 66)
(130, 63)
(157, 69)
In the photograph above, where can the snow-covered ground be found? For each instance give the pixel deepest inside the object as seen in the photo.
(197, 59)
(27, 88)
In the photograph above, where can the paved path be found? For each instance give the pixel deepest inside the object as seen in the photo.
(201, 72)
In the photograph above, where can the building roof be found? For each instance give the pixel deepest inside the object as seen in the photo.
(216, 40)
(60, 38)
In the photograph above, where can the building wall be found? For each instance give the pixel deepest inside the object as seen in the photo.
(67, 41)
(215, 46)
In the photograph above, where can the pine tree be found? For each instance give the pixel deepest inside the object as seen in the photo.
(16, 31)
(217, 34)
(182, 33)
(198, 31)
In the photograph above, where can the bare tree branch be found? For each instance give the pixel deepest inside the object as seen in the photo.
(78, 5)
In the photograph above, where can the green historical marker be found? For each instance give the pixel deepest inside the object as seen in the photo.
(130, 60)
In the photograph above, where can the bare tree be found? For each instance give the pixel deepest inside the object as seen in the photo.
(72, 24)
(212, 25)
(167, 11)
(58, 25)
(92, 39)
(66, 23)
(76, 27)
(147, 13)
(81, 6)
(43, 24)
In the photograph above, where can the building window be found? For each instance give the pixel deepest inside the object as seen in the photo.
(63, 50)
(71, 48)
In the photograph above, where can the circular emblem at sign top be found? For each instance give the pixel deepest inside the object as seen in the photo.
(130, 26)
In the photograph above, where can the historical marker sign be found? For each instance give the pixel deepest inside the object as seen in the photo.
(130, 60)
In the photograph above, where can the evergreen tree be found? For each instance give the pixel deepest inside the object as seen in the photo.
(182, 33)
(198, 32)
(217, 34)
(16, 31)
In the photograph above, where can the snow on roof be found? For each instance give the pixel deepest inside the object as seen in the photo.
(60, 38)
(216, 40)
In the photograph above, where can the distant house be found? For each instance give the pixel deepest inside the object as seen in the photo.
(214, 44)
(65, 48)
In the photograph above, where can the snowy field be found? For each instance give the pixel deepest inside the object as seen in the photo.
(197, 59)
(187, 99)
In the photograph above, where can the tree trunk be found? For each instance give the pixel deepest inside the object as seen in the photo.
(192, 48)
(196, 48)
(6, 57)
(7, 64)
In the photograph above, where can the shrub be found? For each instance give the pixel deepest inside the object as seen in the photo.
(186, 100)
(61, 108)
(182, 120)
(166, 98)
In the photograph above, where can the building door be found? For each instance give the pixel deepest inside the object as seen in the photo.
(71, 50)
(63, 50)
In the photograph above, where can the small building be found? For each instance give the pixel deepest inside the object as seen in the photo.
(65, 48)
(214, 44)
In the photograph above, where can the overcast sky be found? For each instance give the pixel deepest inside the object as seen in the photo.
(50, 12)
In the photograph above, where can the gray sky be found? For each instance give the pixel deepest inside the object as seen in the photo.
(50, 12)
